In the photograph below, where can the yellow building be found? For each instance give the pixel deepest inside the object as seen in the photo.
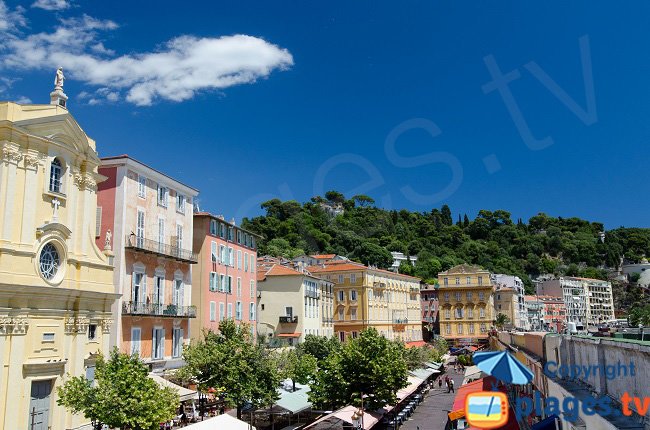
(466, 304)
(369, 297)
(56, 286)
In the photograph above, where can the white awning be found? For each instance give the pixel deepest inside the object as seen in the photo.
(221, 422)
(183, 393)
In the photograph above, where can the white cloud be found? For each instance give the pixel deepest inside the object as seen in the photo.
(11, 20)
(51, 4)
(23, 100)
(176, 71)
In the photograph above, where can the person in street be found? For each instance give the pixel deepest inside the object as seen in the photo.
(451, 385)
(440, 383)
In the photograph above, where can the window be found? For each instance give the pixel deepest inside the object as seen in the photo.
(239, 236)
(481, 296)
(56, 174)
(460, 329)
(340, 279)
(179, 236)
(471, 328)
(231, 257)
(457, 280)
(459, 296)
(139, 290)
(353, 295)
(342, 336)
(459, 312)
(480, 280)
(341, 316)
(178, 292)
(222, 254)
(353, 279)
(142, 186)
(252, 289)
(341, 296)
(482, 312)
(161, 234)
(135, 340)
(446, 297)
(239, 287)
(180, 203)
(213, 227)
(158, 290)
(221, 285)
(139, 229)
(245, 262)
(470, 313)
(177, 342)
(158, 348)
(238, 259)
(447, 313)
(238, 311)
(222, 230)
(483, 330)
(469, 296)
(229, 310)
(251, 311)
(446, 281)
(252, 263)
(92, 331)
(355, 334)
(448, 328)
(353, 314)
(213, 311)
(49, 261)
(498, 296)
(222, 311)
(214, 281)
(288, 311)
(163, 194)
(229, 286)
(468, 280)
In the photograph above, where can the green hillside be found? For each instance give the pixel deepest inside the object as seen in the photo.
(365, 233)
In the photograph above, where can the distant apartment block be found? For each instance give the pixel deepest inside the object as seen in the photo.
(398, 257)
(509, 299)
(150, 218)
(588, 302)
(429, 304)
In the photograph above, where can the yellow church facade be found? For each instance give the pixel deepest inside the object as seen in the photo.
(56, 288)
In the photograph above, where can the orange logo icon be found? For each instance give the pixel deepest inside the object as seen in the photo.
(486, 409)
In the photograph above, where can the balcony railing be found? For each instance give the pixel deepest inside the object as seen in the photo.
(160, 310)
(400, 321)
(312, 294)
(159, 248)
(379, 284)
(288, 320)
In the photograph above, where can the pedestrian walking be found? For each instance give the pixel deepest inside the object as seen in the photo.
(448, 386)
(440, 383)
(451, 385)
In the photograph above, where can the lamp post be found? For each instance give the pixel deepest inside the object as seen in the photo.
(641, 330)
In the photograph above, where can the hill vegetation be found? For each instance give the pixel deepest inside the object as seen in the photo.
(365, 233)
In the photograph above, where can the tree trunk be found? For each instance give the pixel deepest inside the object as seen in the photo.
(294, 384)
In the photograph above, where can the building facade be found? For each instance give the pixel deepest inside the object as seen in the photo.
(56, 287)
(149, 216)
(398, 257)
(534, 313)
(292, 304)
(370, 297)
(588, 302)
(224, 280)
(517, 285)
(429, 304)
(466, 304)
(506, 302)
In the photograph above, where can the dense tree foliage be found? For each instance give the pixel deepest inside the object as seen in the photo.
(319, 346)
(296, 365)
(367, 234)
(230, 360)
(369, 367)
(121, 396)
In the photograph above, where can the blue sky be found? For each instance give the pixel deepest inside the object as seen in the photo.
(307, 102)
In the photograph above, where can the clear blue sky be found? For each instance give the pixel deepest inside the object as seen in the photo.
(343, 75)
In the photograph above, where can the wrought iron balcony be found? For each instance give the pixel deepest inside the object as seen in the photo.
(312, 294)
(288, 319)
(159, 310)
(154, 247)
(400, 321)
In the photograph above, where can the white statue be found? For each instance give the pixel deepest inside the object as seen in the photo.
(107, 242)
(58, 80)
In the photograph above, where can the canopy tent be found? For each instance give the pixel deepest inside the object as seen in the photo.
(221, 422)
(345, 414)
(295, 401)
(433, 364)
(416, 343)
(183, 393)
(423, 373)
(414, 384)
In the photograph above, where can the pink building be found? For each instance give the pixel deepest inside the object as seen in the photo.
(149, 216)
(225, 284)
(430, 305)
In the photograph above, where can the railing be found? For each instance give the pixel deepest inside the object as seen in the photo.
(155, 309)
(328, 320)
(155, 247)
(312, 294)
(400, 321)
(379, 284)
(288, 319)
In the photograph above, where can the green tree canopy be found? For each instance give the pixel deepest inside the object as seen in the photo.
(232, 361)
(319, 346)
(370, 366)
(121, 396)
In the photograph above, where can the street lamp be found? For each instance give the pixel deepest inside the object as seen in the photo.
(357, 419)
(641, 330)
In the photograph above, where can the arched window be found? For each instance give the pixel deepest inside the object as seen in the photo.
(56, 172)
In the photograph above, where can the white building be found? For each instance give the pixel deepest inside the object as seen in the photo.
(398, 257)
(588, 301)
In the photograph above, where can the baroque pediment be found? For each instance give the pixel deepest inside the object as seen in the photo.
(54, 228)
